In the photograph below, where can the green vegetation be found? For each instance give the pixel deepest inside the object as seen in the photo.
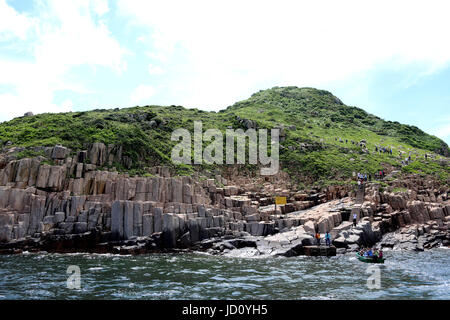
(29, 153)
(311, 152)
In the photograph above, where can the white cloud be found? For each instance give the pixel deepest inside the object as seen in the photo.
(13, 24)
(155, 70)
(142, 94)
(64, 34)
(232, 48)
(100, 6)
(77, 39)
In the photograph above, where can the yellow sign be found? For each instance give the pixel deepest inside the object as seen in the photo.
(280, 200)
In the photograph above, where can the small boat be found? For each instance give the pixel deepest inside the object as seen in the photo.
(369, 259)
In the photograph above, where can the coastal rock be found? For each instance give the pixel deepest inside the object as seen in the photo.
(80, 227)
(117, 218)
(6, 227)
(97, 154)
(309, 227)
(60, 152)
(168, 233)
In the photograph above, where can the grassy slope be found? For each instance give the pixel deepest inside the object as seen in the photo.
(318, 116)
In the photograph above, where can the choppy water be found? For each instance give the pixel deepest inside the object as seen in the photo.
(405, 275)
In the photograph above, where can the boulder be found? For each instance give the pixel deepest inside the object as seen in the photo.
(436, 213)
(185, 240)
(49, 220)
(59, 217)
(80, 227)
(323, 225)
(307, 240)
(417, 211)
(353, 239)
(67, 227)
(60, 152)
(340, 242)
(309, 227)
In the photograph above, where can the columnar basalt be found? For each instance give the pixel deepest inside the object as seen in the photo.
(69, 199)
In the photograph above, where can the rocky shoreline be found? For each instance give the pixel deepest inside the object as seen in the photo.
(74, 205)
(286, 244)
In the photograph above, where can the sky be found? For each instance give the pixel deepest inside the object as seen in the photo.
(390, 58)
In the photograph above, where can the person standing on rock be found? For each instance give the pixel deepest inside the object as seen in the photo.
(327, 239)
(318, 238)
(354, 219)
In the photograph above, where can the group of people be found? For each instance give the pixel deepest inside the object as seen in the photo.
(380, 174)
(327, 238)
(363, 177)
(369, 253)
(382, 149)
(362, 143)
(340, 140)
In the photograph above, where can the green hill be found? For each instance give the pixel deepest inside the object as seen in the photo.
(319, 130)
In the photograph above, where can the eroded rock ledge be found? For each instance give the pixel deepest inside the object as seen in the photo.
(64, 202)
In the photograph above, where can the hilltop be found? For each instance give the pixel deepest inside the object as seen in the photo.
(323, 140)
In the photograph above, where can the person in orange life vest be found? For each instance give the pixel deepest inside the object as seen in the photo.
(318, 238)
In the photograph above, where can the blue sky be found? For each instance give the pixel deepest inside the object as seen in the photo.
(391, 59)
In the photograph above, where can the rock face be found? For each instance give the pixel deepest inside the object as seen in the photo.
(362, 235)
(416, 238)
(65, 194)
(71, 196)
(60, 152)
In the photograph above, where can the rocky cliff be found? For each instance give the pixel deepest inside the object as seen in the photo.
(103, 180)
(66, 193)
(64, 201)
